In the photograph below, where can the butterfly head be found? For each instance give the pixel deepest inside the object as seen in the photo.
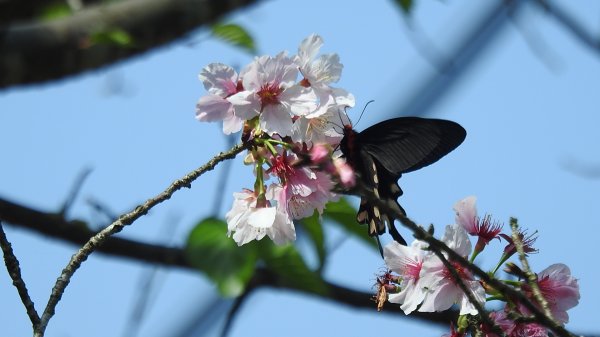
(348, 142)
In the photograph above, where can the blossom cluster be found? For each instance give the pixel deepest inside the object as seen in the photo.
(288, 110)
(419, 280)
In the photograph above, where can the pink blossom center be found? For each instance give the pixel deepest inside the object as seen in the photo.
(269, 94)
(412, 269)
(281, 168)
(487, 230)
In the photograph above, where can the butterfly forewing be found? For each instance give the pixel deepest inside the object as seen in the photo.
(407, 144)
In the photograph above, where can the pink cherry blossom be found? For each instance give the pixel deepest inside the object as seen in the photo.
(442, 289)
(512, 328)
(319, 73)
(246, 221)
(221, 81)
(407, 263)
(527, 240)
(559, 288)
(320, 153)
(272, 94)
(302, 189)
(344, 172)
(483, 228)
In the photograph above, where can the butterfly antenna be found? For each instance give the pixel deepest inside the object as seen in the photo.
(363, 111)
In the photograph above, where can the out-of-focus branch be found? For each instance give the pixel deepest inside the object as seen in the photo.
(77, 233)
(40, 51)
(570, 24)
(124, 220)
(354, 298)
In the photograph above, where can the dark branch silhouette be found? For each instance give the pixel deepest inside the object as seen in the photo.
(76, 232)
(38, 51)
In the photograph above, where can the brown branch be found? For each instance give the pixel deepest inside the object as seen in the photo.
(77, 233)
(12, 265)
(437, 245)
(124, 220)
(354, 298)
(532, 279)
(40, 51)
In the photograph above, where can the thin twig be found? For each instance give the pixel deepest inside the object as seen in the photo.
(531, 276)
(480, 309)
(12, 265)
(234, 310)
(173, 257)
(147, 288)
(222, 182)
(434, 244)
(75, 190)
(124, 220)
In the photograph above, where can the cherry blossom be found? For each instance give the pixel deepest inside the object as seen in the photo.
(248, 220)
(442, 289)
(559, 288)
(511, 328)
(527, 240)
(271, 93)
(483, 228)
(407, 262)
(302, 189)
(319, 73)
(344, 172)
(221, 81)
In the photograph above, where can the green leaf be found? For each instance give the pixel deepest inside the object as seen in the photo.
(313, 227)
(405, 5)
(344, 215)
(288, 264)
(114, 36)
(55, 11)
(218, 256)
(234, 35)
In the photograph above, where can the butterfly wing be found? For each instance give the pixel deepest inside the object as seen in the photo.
(384, 186)
(407, 144)
(384, 151)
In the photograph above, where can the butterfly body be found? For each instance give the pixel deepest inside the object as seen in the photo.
(383, 152)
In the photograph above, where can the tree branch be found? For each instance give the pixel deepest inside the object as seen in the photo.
(439, 246)
(77, 233)
(12, 265)
(571, 24)
(40, 51)
(126, 219)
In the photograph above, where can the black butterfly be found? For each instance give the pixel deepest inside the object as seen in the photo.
(383, 152)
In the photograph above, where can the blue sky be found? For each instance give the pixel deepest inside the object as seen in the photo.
(528, 118)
